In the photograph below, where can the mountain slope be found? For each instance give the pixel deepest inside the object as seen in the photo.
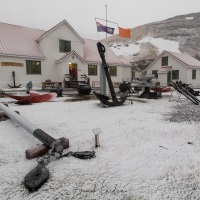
(179, 34)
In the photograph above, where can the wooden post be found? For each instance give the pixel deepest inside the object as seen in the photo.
(131, 100)
(96, 132)
(97, 142)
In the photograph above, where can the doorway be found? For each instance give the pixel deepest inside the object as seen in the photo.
(73, 71)
(169, 75)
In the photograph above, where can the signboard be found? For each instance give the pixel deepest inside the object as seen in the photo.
(97, 131)
(12, 64)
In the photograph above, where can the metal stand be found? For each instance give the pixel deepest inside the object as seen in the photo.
(178, 99)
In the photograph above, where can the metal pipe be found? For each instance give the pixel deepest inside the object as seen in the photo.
(18, 119)
(54, 144)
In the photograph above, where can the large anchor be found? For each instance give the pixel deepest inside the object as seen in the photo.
(103, 98)
(14, 85)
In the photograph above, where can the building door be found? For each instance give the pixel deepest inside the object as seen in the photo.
(73, 71)
(169, 77)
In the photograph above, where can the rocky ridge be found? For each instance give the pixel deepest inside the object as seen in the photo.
(184, 29)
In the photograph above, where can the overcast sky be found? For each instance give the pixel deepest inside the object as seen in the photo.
(81, 14)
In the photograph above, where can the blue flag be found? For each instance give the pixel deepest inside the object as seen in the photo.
(102, 28)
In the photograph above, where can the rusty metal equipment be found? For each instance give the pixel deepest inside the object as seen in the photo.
(36, 177)
(182, 89)
(84, 87)
(14, 85)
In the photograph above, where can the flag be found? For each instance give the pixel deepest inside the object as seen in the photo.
(126, 33)
(102, 28)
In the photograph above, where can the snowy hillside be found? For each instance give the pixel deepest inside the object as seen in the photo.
(178, 34)
(129, 50)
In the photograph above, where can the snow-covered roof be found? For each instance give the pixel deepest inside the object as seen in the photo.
(91, 54)
(20, 41)
(186, 59)
(53, 28)
(125, 62)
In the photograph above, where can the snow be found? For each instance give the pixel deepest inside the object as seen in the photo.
(142, 155)
(125, 50)
(134, 48)
(189, 18)
(162, 44)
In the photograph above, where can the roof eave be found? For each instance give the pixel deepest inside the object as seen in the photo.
(23, 56)
(59, 24)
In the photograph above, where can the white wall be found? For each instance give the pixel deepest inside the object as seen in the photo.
(195, 82)
(123, 73)
(21, 77)
(50, 43)
(126, 73)
(163, 79)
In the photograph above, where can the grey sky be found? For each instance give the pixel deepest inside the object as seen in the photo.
(44, 14)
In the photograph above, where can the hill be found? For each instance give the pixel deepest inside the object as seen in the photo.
(179, 34)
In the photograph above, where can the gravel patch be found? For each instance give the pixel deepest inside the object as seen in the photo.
(184, 112)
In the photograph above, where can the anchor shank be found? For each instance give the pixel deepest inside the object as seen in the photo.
(110, 84)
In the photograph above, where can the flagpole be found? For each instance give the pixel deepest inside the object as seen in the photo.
(106, 24)
(103, 88)
(103, 85)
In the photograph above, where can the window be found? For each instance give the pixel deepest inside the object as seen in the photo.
(175, 74)
(164, 61)
(33, 67)
(194, 74)
(113, 71)
(155, 72)
(64, 46)
(92, 70)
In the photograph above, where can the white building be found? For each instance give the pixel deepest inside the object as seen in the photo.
(37, 55)
(171, 66)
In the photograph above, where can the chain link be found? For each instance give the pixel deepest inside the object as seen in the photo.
(46, 158)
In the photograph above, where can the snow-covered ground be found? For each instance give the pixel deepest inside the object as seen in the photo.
(142, 155)
(133, 48)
